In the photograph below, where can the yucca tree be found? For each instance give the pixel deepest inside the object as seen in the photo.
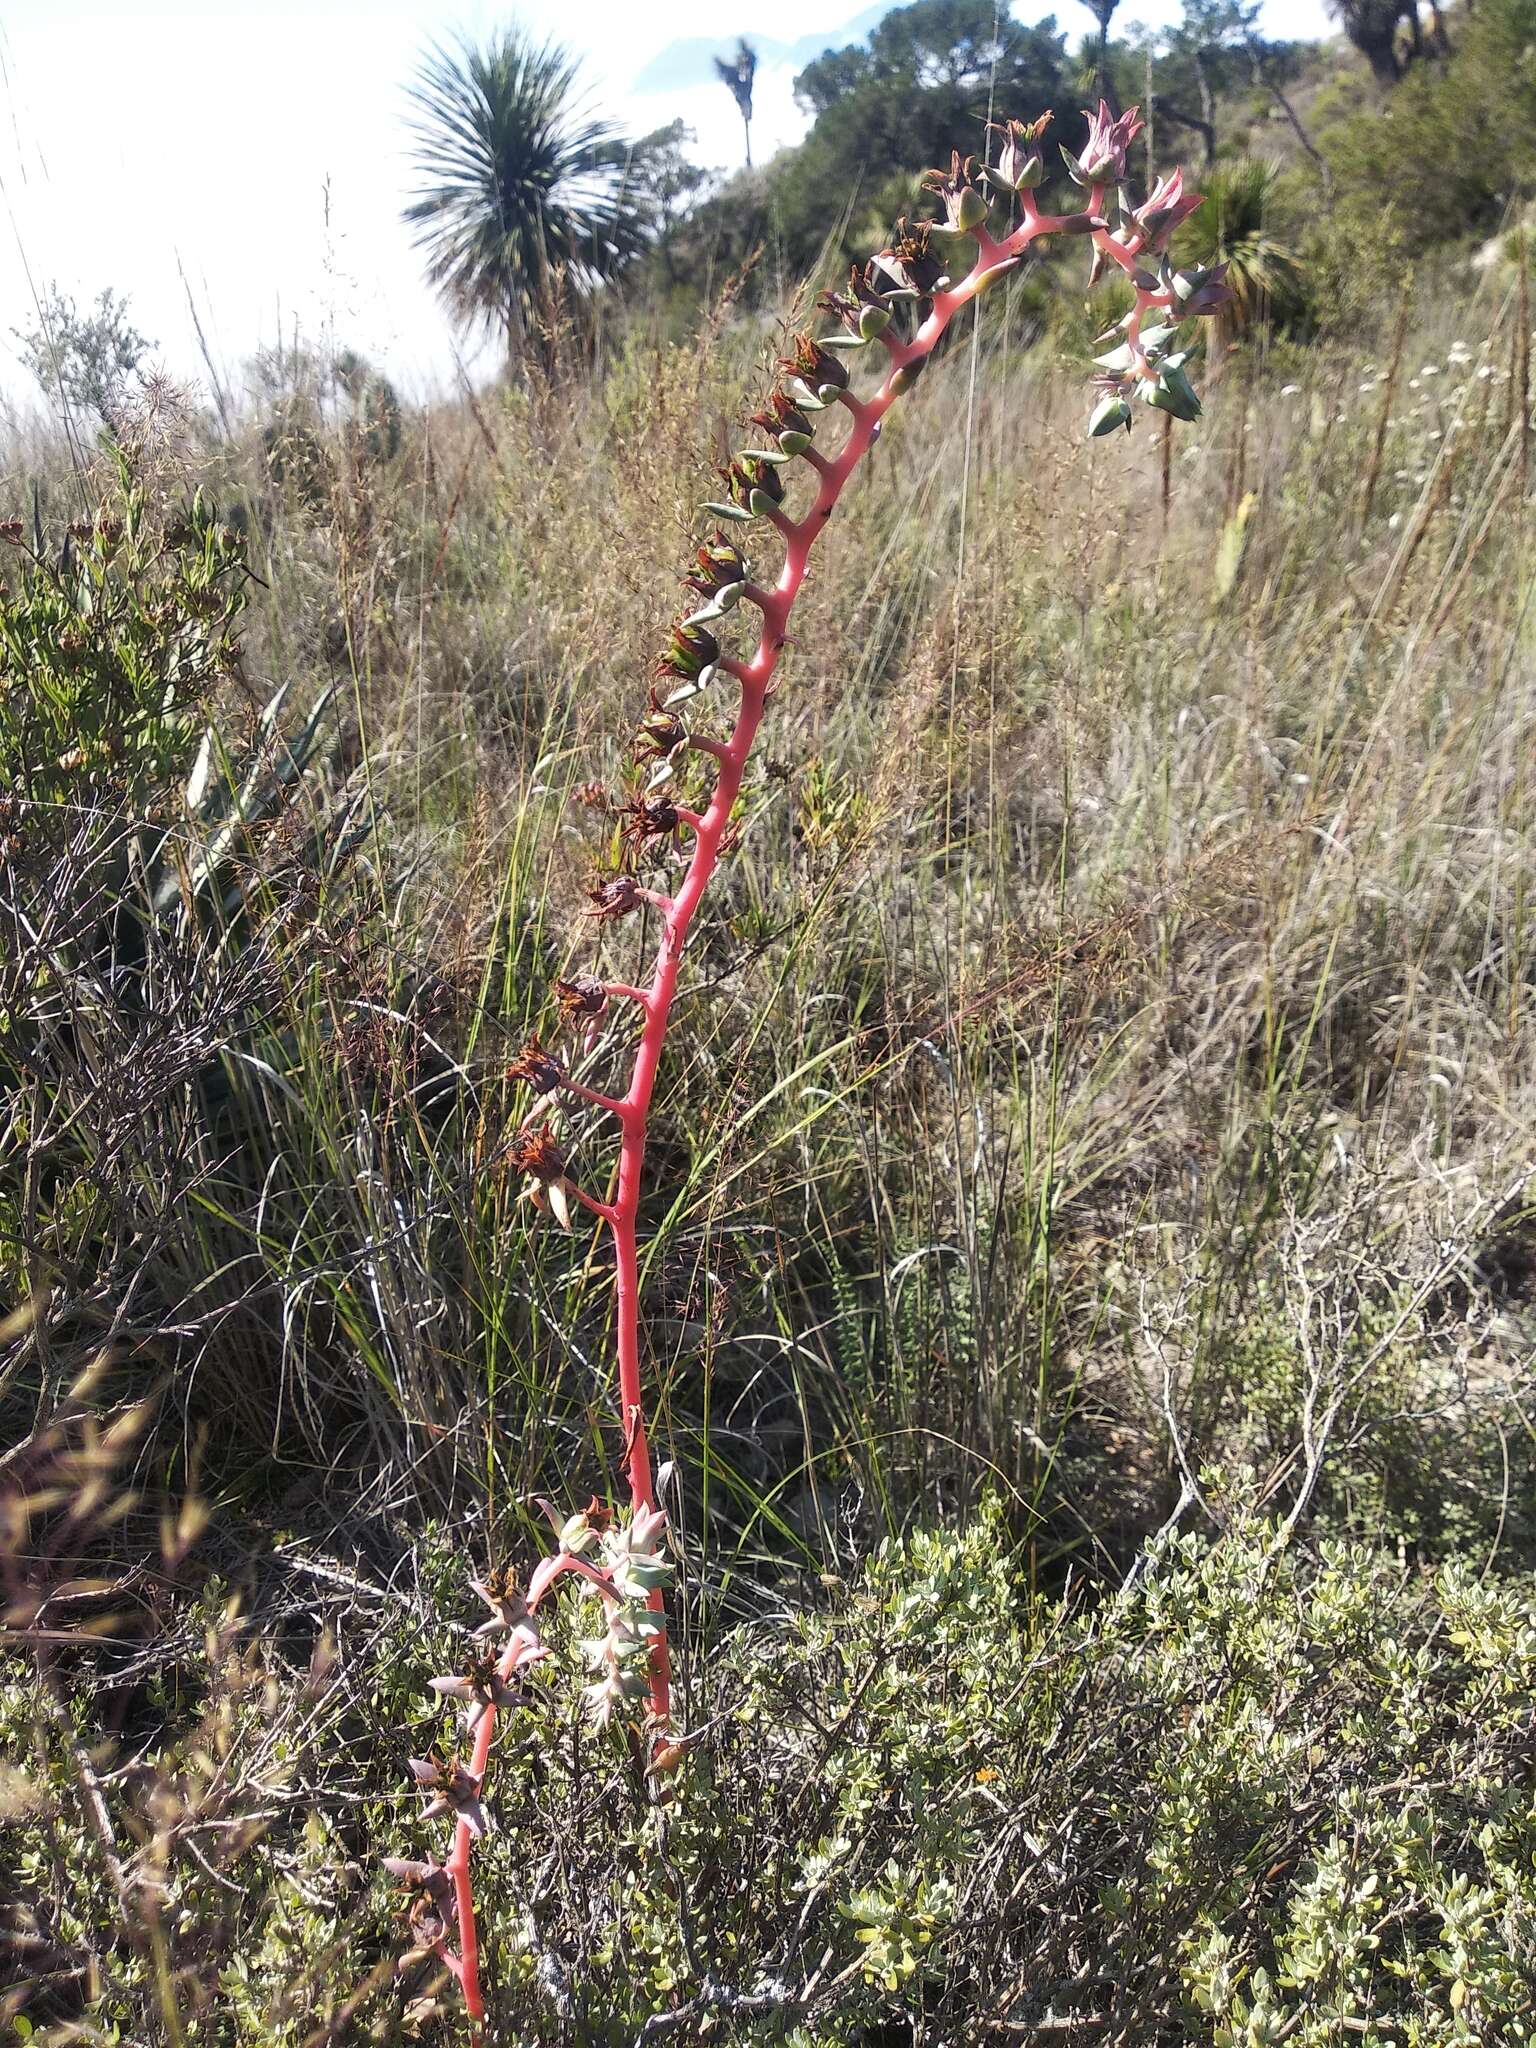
(523, 197)
(738, 75)
(1233, 227)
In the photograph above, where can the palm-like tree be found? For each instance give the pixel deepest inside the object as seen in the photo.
(522, 195)
(1233, 227)
(1104, 9)
(738, 76)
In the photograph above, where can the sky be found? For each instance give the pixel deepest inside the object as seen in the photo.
(250, 161)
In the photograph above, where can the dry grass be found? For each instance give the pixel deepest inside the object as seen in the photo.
(1106, 1075)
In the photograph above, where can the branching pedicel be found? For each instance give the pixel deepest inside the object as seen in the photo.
(623, 1566)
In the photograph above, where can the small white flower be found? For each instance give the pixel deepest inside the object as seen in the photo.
(1289, 390)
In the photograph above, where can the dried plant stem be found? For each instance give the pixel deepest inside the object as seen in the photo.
(1522, 376)
(1388, 393)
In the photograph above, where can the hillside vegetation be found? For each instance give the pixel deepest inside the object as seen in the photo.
(1089, 1234)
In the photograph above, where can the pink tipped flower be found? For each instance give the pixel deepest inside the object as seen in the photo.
(450, 1788)
(576, 1534)
(1163, 209)
(1109, 137)
(1018, 167)
(634, 1556)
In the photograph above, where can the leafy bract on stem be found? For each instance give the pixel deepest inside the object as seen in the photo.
(905, 298)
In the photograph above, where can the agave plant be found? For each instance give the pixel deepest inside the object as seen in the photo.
(1264, 273)
(523, 195)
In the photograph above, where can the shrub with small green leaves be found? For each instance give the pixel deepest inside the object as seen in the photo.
(111, 645)
(1264, 1793)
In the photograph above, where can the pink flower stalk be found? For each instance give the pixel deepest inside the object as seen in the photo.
(624, 1564)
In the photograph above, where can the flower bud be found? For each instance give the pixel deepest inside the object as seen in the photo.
(964, 207)
(577, 1535)
(691, 649)
(1018, 167)
(719, 573)
(910, 261)
(1198, 292)
(1172, 392)
(785, 422)
(817, 368)
(1123, 358)
(1103, 159)
(1163, 209)
(755, 486)
(1110, 412)
(862, 310)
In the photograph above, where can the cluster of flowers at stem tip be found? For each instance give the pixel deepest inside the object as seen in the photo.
(897, 304)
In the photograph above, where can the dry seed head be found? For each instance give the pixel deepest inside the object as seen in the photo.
(580, 995)
(614, 897)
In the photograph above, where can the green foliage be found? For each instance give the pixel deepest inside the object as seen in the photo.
(110, 648)
(1243, 224)
(1453, 145)
(1106, 1069)
(1262, 1794)
(86, 360)
(883, 113)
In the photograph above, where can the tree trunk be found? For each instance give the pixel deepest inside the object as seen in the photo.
(746, 129)
(1380, 52)
(1262, 78)
(1207, 108)
(1182, 120)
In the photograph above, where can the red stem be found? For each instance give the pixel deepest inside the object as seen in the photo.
(633, 1107)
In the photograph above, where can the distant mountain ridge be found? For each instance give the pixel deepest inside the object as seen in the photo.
(690, 60)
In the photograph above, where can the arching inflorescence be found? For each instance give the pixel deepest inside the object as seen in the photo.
(897, 307)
